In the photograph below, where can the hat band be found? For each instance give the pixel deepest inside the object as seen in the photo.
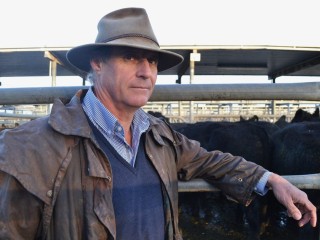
(130, 35)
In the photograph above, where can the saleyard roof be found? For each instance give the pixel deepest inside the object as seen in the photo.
(271, 61)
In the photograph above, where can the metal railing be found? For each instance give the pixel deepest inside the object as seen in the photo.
(191, 92)
(308, 181)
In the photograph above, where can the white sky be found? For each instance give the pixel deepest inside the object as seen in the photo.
(249, 22)
(68, 23)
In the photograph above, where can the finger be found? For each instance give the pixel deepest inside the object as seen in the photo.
(294, 212)
(313, 220)
(310, 216)
(309, 212)
(304, 214)
(307, 218)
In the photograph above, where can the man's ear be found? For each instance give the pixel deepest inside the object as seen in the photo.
(95, 65)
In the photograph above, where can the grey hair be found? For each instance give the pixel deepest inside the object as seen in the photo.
(91, 77)
(101, 55)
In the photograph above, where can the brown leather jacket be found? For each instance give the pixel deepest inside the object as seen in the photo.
(56, 183)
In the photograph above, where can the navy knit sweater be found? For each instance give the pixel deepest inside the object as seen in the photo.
(137, 196)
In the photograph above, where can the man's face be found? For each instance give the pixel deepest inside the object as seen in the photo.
(126, 79)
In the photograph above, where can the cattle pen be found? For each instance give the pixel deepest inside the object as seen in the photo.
(190, 92)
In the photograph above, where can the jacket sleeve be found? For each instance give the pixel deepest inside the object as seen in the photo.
(20, 211)
(233, 175)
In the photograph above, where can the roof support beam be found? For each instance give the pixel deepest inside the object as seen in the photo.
(52, 67)
(183, 68)
(294, 68)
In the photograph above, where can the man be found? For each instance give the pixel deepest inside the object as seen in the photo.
(99, 167)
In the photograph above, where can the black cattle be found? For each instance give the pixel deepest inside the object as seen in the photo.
(304, 116)
(269, 127)
(282, 122)
(249, 139)
(254, 118)
(296, 150)
(299, 116)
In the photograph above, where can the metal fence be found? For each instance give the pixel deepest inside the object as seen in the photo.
(190, 92)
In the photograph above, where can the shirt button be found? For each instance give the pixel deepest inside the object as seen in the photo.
(49, 193)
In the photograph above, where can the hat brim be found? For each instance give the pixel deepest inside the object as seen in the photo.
(80, 56)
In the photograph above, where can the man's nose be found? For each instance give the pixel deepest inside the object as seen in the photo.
(145, 67)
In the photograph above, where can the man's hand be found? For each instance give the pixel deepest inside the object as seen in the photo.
(296, 201)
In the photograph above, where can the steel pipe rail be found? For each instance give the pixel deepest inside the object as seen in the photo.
(206, 92)
(36, 95)
(14, 115)
(175, 92)
(309, 181)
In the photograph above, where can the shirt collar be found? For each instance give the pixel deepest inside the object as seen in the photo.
(105, 120)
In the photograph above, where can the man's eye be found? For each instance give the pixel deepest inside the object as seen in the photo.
(153, 61)
(130, 57)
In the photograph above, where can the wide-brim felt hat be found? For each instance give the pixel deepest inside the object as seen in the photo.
(128, 27)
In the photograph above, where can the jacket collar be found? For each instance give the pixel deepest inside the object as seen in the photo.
(70, 119)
